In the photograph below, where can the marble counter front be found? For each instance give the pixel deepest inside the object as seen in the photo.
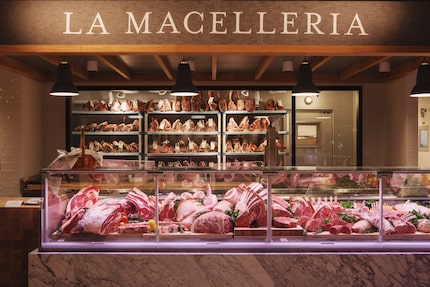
(267, 269)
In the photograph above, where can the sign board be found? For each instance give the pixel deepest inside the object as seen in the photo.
(217, 22)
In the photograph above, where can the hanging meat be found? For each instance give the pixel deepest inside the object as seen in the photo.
(185, 104)
(239, 102)
(150, 105)
(212, 102)
(255, 126)
(188, 126)
(222, 103)
(203, 105)
(165, 125)
(244, 124)
(211, 125)
(232, 126)
(153, 125)
(195, 105)
(270, 105)
(164, 105)
(249, 104)
(231, 104)
(176, 104)
(177, 125)
(265, 123)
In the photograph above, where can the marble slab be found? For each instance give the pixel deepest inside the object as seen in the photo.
(268, 269)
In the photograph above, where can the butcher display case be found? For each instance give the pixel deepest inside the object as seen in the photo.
(241, 208)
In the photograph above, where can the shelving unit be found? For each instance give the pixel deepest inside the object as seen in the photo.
(174, 139)
(246, 140)
(115, 134)
(183, 138)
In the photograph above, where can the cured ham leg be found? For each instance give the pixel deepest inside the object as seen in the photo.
(222, 103)
(231, 105)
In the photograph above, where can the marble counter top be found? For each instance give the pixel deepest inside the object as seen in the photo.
(187, 269)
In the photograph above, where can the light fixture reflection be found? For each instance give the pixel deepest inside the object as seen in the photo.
(422, 86)
(184, 85)
(64, 86)
(305, 85)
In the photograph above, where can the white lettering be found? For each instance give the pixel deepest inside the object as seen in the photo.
(356, 23)
(168, 22)
(261, 30)
(314, 25)
(289, 21)
(137, 28)
(68, 31)
(237, 30)
(334, 32)
(218, 22)
(186, 24)
(97, 23)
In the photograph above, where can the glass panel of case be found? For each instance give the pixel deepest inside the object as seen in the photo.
(97, 209)
(254, 209)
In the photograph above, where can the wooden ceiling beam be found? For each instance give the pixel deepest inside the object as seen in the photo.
(77, 71)
(361, 66)
(404, 69)
(117, 65)
(21, 68)
(317, 62)
(262, 67)
(163, 62)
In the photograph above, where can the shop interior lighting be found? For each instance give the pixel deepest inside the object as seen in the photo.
(64, 86)
(287, 66)
(422, 86)
(384, 67)
(184, 85)
(305, 85)
(92, 66)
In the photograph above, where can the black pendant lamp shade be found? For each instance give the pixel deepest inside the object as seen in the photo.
(64, 86)
(422, 86)
(184, 85)
(305, 85)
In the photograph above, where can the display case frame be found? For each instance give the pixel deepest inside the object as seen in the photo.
(278, 182)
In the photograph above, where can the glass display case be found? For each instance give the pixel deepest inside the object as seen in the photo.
(244, 208)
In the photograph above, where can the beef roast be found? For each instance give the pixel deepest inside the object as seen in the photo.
(212, 222)
(84, 198)
(103, 217)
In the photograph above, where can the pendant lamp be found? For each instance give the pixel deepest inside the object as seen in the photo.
(184, 85)
(422, 86)
(305, 85)
(64, 86)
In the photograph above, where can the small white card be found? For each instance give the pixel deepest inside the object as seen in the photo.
(13, 203)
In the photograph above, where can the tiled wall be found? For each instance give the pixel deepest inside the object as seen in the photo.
(21, 130)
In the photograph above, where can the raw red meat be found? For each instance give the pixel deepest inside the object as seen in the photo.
(335, 229)
(69, 224)
(104, 217)
(84, 198)
(287, 222)
(313, 225)
(401, 226)
(302, 220)
(212, 222)
(142, 203)
(167, 208)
